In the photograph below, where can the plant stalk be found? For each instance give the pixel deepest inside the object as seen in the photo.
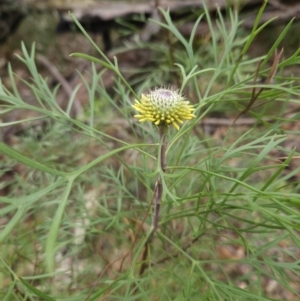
(158, 186)
(158, 193)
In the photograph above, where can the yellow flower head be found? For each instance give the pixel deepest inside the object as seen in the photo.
(163, 107)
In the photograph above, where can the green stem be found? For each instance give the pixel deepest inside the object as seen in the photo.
(159, 187)
(158, 193)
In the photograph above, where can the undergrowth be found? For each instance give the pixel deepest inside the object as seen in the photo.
(76, 224)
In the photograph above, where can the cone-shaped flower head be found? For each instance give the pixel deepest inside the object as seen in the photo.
(163, 107)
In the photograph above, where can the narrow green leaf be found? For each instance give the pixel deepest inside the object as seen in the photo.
(22, 205)
(53, 232)
(5, 149)
(36, 291)
(93, 59)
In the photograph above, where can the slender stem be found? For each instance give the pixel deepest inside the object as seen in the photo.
(163, 147)
(159, 186)
(157, 196)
